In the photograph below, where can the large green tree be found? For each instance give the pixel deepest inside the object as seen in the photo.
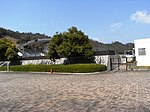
(8, 50)
(73, 44)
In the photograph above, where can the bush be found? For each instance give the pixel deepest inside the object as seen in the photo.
(3, 68)
(72, 68)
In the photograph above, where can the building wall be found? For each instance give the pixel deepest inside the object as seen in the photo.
(141, 45)
(43, 61)
(105, 60)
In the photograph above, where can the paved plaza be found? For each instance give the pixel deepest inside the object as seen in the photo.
(104, 92)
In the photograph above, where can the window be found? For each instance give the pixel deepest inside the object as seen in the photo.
(129, 52)
(142, 51)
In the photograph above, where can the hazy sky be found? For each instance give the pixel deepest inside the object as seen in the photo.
(102, 20)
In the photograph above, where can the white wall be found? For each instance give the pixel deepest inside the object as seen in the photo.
(142, 60)
(43, 61)
(105, 60)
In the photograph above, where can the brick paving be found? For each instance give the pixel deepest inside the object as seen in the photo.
(104, 92)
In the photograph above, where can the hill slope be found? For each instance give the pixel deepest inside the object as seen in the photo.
(20, 38)
(115, 46)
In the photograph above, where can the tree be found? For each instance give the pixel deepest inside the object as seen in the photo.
(72, 44)
(53, 46)
(8, 50)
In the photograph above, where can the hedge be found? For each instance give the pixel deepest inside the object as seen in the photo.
(72, 68)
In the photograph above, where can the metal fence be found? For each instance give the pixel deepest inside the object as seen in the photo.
(122, 63)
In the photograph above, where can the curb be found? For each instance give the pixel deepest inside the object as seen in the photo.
(57, 73)
(91, 73)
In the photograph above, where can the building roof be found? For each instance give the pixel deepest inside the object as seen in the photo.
(36, 41)
(107, 52)
(144, 39)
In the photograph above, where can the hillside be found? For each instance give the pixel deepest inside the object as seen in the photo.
(20, 38)
(115, 46)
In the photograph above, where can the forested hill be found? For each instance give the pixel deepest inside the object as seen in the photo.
(18, 37)
(116, 46)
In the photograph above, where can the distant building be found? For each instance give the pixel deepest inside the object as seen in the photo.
(34, 48)
(142, 51)
(129, 53)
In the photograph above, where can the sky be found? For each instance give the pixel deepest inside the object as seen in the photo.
(102, 20)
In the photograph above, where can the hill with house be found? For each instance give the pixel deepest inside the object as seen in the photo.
(24, 37)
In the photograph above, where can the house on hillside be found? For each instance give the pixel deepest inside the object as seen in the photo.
(142, 51)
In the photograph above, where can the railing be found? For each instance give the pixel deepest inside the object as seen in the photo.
(3, 63)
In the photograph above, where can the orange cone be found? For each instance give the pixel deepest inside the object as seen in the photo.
(51, 71)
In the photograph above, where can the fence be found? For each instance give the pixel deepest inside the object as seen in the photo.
(122, 63)
(5, 63)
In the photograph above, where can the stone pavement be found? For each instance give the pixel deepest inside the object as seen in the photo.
(104, 92)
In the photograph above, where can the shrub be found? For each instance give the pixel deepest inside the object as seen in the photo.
(72, 68)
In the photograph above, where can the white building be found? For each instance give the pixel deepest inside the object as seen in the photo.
(142, 51)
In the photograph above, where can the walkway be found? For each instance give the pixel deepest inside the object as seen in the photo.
(106, 92)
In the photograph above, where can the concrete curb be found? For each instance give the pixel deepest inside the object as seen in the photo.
(91, 73)
(57, 73)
